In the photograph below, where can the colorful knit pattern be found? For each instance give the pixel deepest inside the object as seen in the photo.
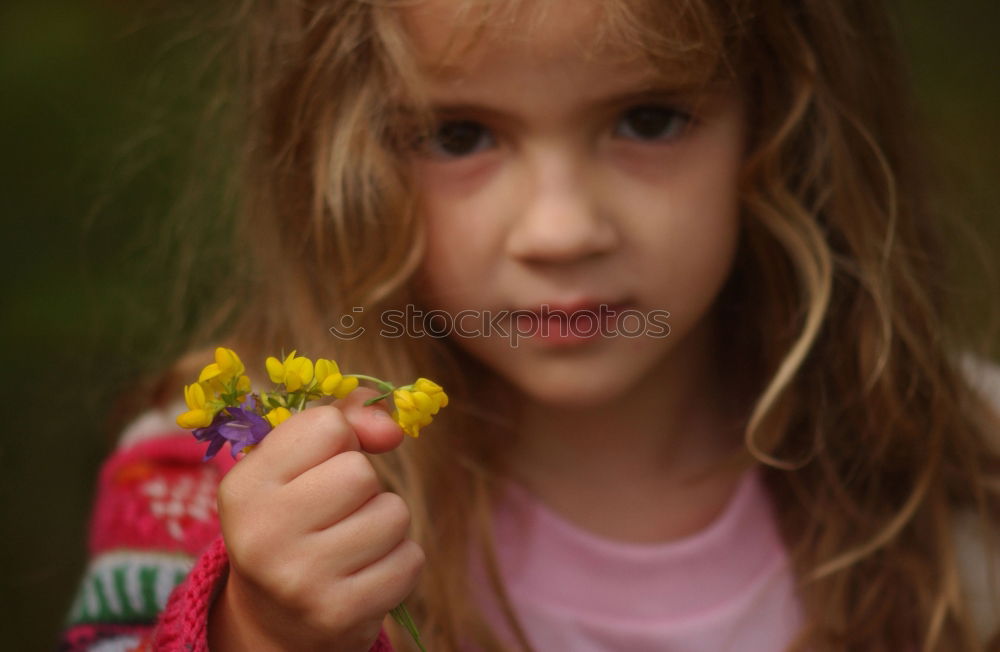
(158, 494)
(128, 586)
(157, 556)
(105, 638)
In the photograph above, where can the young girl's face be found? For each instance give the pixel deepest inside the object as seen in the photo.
(557, 179)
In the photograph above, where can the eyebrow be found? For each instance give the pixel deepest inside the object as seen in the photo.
(650, 90)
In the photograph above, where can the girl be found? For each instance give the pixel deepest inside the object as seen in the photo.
(674, 265)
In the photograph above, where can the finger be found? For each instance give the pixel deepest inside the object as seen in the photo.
(303, 441)
(368, 534)
(387, 582)
(333, 491)
(373, 425)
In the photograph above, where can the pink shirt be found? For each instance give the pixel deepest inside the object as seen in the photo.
(727, 587)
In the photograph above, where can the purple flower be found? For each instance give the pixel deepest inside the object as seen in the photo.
(240, 426)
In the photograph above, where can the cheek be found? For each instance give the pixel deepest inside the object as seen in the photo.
(437, 223)
(706, 216)
(685, 223)
(462, 206)
(704, 250)
(459, 244)
(684, 229)
(440, 269)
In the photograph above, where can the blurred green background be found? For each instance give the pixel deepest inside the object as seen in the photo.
(98, 118)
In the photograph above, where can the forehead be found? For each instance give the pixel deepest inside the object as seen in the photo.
(452, 35)
(456, 40)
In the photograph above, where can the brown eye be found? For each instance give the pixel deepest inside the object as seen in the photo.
(652, 122)
(458, 138)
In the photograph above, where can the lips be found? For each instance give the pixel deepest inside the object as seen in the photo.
(564, 324)
(575, 308)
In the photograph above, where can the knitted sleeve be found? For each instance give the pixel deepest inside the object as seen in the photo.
(156, 557)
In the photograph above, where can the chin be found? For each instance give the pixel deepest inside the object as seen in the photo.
(570, 389)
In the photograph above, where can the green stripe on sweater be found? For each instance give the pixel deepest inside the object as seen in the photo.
(117, 599)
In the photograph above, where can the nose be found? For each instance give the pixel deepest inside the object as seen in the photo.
(559, 217)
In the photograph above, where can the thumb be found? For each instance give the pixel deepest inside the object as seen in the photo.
(373, 425)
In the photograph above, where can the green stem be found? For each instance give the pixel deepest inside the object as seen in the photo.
(402, 616)
(377, 398)
(381, 384)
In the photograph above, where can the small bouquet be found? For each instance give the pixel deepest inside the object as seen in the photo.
(223, 407)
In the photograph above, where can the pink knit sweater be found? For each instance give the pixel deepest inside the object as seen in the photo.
(156, 556)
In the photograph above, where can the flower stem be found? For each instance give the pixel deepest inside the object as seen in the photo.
(381, 384)
(377, 398)
(402, 616)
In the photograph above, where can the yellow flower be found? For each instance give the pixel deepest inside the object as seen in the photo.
(200, 412)
(275, 369)
(433, 390)
(413, 410)
(331, 381)
(277, 416)
(227, 366)
(294, 372)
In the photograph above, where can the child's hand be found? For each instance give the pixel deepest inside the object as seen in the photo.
(318, 551)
